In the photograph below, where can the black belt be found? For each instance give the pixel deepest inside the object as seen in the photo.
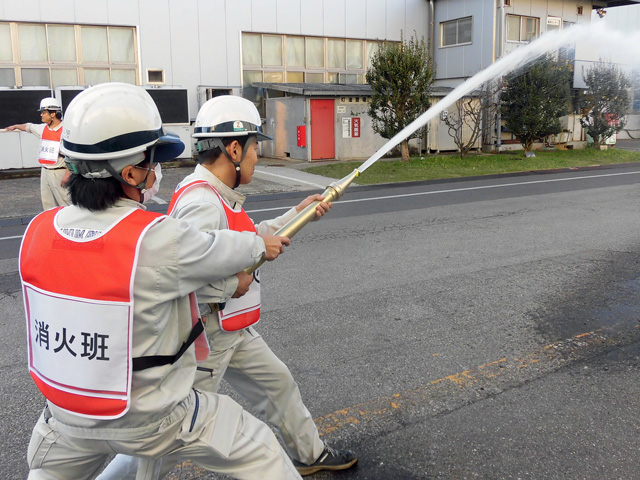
(142, 363)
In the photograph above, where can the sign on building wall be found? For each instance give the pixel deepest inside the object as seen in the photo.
(350, 127)
(355, 126)
(346, 127)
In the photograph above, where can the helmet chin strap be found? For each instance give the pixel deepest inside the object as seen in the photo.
(140, 186)
(218, 143)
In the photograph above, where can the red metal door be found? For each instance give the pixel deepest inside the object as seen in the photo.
(323, 140)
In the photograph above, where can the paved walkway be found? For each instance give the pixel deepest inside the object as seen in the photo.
(629, 145)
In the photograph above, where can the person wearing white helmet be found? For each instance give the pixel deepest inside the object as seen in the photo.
(110, 319)
(227, 130)
(54, 173)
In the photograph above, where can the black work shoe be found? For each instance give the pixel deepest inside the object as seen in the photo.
(329, 459)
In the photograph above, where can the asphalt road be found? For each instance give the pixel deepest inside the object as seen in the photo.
(480, 328)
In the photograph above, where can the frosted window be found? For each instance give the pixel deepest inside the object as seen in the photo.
(35, 77)
(272, 53)
(314, 77)
(522, 29)
(251, 50)
(530, 28)
(354, 54)
(94, 76)
(249, 77)
(348, 78)
(60, 77)
(5, 43)
(121, 45)
(336, 54)
(315, 52)
(295, 77)
(7, 77)
(249, 92)
(124, 76)
(62, 43)
(274, 77)
(94, 45)
(513, 28)
(372, 49)
(295, 52)
(32, 40)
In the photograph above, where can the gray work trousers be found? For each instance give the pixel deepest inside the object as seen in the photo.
(52, 193)
(260, 377)
(214, 432)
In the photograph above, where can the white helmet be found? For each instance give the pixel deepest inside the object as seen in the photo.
(50, 103)
(228, 116)
(114, 123)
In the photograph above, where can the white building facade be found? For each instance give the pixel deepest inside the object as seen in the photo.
(186, 51)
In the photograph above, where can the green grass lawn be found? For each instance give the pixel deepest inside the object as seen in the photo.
(430, 167)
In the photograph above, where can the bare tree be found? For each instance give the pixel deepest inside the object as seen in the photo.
(465, 124)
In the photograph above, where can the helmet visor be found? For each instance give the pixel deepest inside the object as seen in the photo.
(169, 147)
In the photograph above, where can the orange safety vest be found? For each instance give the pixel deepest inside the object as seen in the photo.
(79, 311)
(49, 146)
(237, 313)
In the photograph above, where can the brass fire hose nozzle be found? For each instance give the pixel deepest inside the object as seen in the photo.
(332, 193)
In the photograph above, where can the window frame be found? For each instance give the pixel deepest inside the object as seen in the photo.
(457, 23)
(79, 64)
(325, 70)
(520, 28)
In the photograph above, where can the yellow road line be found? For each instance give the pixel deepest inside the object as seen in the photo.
(368, 411)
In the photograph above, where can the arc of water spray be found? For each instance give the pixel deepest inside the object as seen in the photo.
(516, 59)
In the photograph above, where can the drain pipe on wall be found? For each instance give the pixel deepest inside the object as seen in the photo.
(499, 24)
(432, 49)
(432, 33)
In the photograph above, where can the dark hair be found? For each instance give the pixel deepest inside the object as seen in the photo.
(210, 156)
(94, 194)
(55, 113)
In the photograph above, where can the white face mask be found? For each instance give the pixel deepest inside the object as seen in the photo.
(148, 194)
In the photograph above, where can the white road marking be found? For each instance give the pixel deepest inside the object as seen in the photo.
(452, 190)
(262, 172)
(434, 192)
